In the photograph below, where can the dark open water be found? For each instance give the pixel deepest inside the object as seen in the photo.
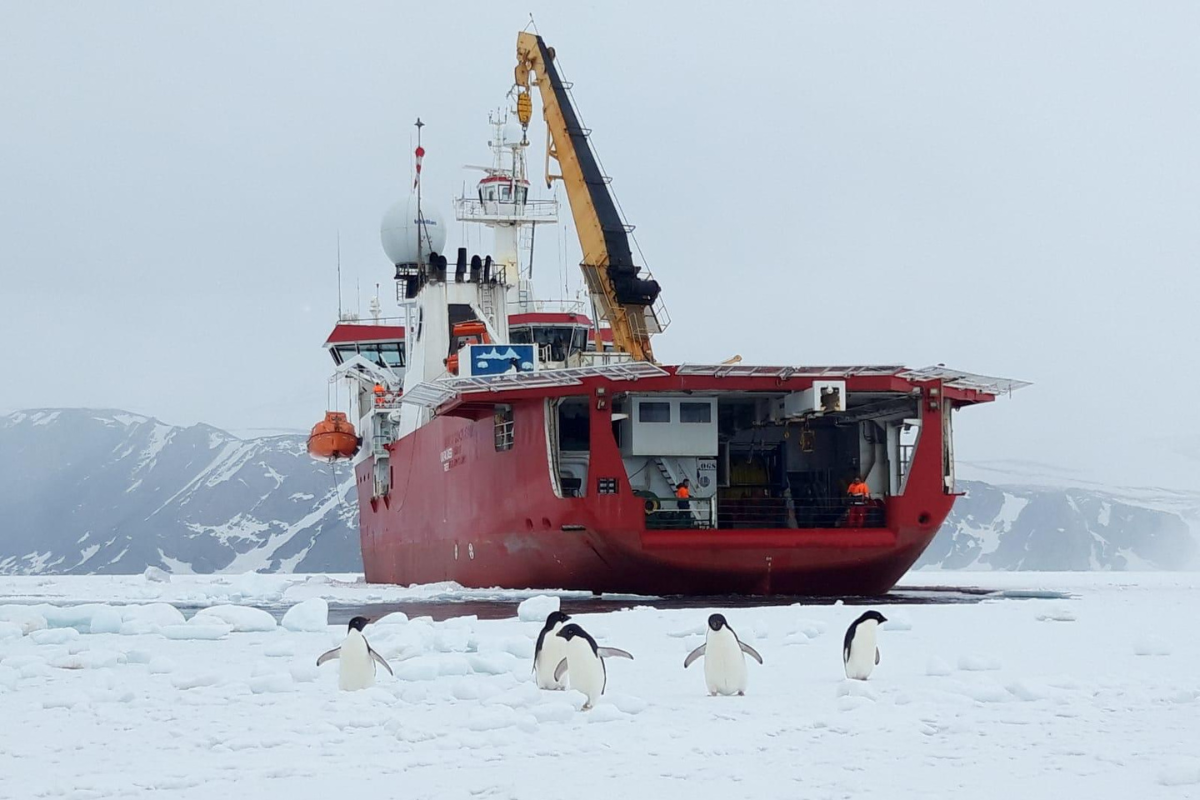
(504, 609)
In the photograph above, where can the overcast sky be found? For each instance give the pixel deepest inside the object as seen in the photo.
(1009, 188)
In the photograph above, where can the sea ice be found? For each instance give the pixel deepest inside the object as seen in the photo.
(153, 614)
(23, 617)
(260, 587)
(977, 663)
(273, 683)
(106, 620)
(937, 667)
(156, 575)
(1072, 712)
(53, 636)
(280, 649)
(161, 665)
(897, 620)
(1150, 645)
(304, 672)
(193, 630)
(242, 619)
(419, 669)
(311, 616)
(519, 646)
(537, 608)
(195, 680)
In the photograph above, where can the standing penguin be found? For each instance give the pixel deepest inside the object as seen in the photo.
(356, 658)
(550, 650)
(859, 651)
(724, 662)
(584, 662)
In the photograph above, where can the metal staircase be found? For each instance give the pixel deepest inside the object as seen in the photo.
(668, 474)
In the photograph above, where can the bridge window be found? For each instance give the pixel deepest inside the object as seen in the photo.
(654, 412)
(384, 354)
(694, 412)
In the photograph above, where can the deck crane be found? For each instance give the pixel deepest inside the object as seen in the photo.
(623, 298)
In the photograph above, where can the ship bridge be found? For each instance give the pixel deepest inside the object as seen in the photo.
(379, 341)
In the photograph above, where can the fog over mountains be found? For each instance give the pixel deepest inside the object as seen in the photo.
(103, 491)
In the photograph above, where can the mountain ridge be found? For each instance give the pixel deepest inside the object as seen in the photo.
(108, 491)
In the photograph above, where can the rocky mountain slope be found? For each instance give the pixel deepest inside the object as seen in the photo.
(91, 491)
(1042, 528)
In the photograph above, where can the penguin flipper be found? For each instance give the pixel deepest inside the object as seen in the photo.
(378, 659)
(560, 670)
(612, 652)
(692, 656)
(876, 655)
(750, 651)
(329, 656)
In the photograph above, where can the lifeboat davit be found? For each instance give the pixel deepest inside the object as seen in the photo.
(332, 438)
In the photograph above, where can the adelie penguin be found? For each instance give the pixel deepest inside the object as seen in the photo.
(724, 658)
(584, 663)
(550, 650)
(859, 651)
(356, 659)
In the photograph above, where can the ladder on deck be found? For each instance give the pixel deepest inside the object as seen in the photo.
(668, 474)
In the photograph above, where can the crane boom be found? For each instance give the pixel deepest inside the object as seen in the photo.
(623, 298)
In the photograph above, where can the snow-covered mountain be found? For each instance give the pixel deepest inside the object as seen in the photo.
(1067, 528)
(90, 491)
(97, 491)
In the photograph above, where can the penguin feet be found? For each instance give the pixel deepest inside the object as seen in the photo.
(741, 694)
(586, 707)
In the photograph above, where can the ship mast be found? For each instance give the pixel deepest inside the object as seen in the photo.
(422, 228)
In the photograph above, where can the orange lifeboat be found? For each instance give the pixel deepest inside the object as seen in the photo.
(332, 437)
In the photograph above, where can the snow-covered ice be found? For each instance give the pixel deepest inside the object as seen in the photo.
(536, 609)
(309, 616)
(243, 619)
(1095, 696)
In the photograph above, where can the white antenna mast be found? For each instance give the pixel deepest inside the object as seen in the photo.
(339, 271)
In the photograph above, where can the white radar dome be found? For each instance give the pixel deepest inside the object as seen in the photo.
(512, 134)
(399, 230)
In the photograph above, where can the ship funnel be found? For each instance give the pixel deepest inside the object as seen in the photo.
(460, 266)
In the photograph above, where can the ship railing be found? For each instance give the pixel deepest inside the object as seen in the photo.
(470, 209)
(748, 511)
(745, 513)
(674, 514)
(348, 318)
(592, 358)
(387, 401)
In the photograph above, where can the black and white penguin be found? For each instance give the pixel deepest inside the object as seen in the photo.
(356, 659)
(859, 651)
(584, 663)
(549, 651)
(724, 658)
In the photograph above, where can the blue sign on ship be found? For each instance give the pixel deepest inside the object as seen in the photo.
(500, 359)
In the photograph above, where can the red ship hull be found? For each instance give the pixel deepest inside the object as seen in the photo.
(460, 510)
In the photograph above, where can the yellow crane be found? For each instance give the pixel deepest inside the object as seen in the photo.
(623, 298)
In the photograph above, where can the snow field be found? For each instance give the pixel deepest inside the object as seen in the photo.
(1001, 699)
